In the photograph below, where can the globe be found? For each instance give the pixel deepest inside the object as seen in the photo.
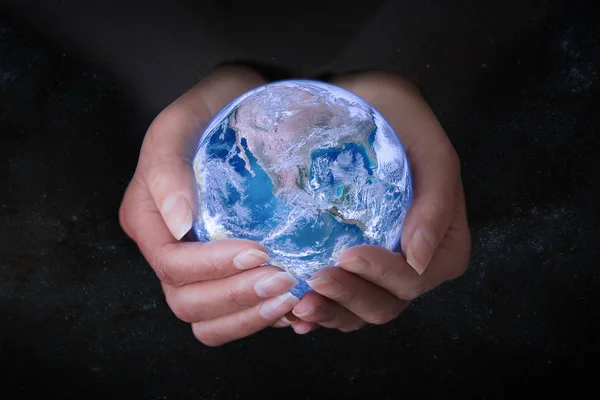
(306, 169)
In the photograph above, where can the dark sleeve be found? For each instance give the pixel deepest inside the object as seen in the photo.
(163, 47)
(160, 48)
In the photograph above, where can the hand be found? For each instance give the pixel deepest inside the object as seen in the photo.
(219, 287)
(375, 285)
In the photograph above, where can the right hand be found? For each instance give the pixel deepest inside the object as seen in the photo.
(220, 286)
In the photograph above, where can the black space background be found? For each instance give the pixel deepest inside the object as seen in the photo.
(515, 84)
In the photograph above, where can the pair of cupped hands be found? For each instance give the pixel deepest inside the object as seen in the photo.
(227, 290)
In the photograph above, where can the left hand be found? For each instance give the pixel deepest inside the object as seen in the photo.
(374, 285)
(221, 288)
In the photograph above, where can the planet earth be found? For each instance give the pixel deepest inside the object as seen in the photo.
(306, 169)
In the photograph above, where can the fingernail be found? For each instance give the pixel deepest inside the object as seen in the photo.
(275, 284)
(177, 213)
(274, 308)
(250, 259)
(355, 264)
(303, 310)
(419, 251)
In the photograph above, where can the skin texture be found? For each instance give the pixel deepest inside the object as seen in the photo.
(222, 287)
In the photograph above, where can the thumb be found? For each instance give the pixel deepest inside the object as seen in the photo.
(433, 160)
(436, 174)
(426, 224)
(165, 166)
(166, 156)
(171, 184)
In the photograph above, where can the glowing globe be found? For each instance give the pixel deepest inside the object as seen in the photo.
(304, 168)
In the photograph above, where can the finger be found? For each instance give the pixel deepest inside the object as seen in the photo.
(299, 326)
(286, 321)
(390, 270)
(215, 298)
(144, 215)
(232, 327)
(165, 158)
(434, 163)
(318, 309)
(282, 323)
(303, 327)
(289, 318)
(371, 303)
(177, 263)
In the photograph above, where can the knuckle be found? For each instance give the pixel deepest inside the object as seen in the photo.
(349, 296)
(331, 323)
(325, 315)
(163, 267)
(410, 295)
(246, 323)
(381, 317)
(236, 297)
(378, 319)
(207, 269)
(394, 310)
(338, 289)
(341, 295)
(124, 216)
(213, 268)
(466, 260)
(161, 270)
(436, 210)
(206, 336)
(386, 274)
(454, 162)
(156, 178)
(169, 119)
(179, 307)
(128, 208)
(160, 121)
(412, 292)
(352, 327)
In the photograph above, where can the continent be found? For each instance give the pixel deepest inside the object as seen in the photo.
(338, 215)
(307, 170)
(282, 141)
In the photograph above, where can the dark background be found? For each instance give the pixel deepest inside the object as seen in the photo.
(516, 86)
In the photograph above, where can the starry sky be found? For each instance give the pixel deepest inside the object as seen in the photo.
(82, 314)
